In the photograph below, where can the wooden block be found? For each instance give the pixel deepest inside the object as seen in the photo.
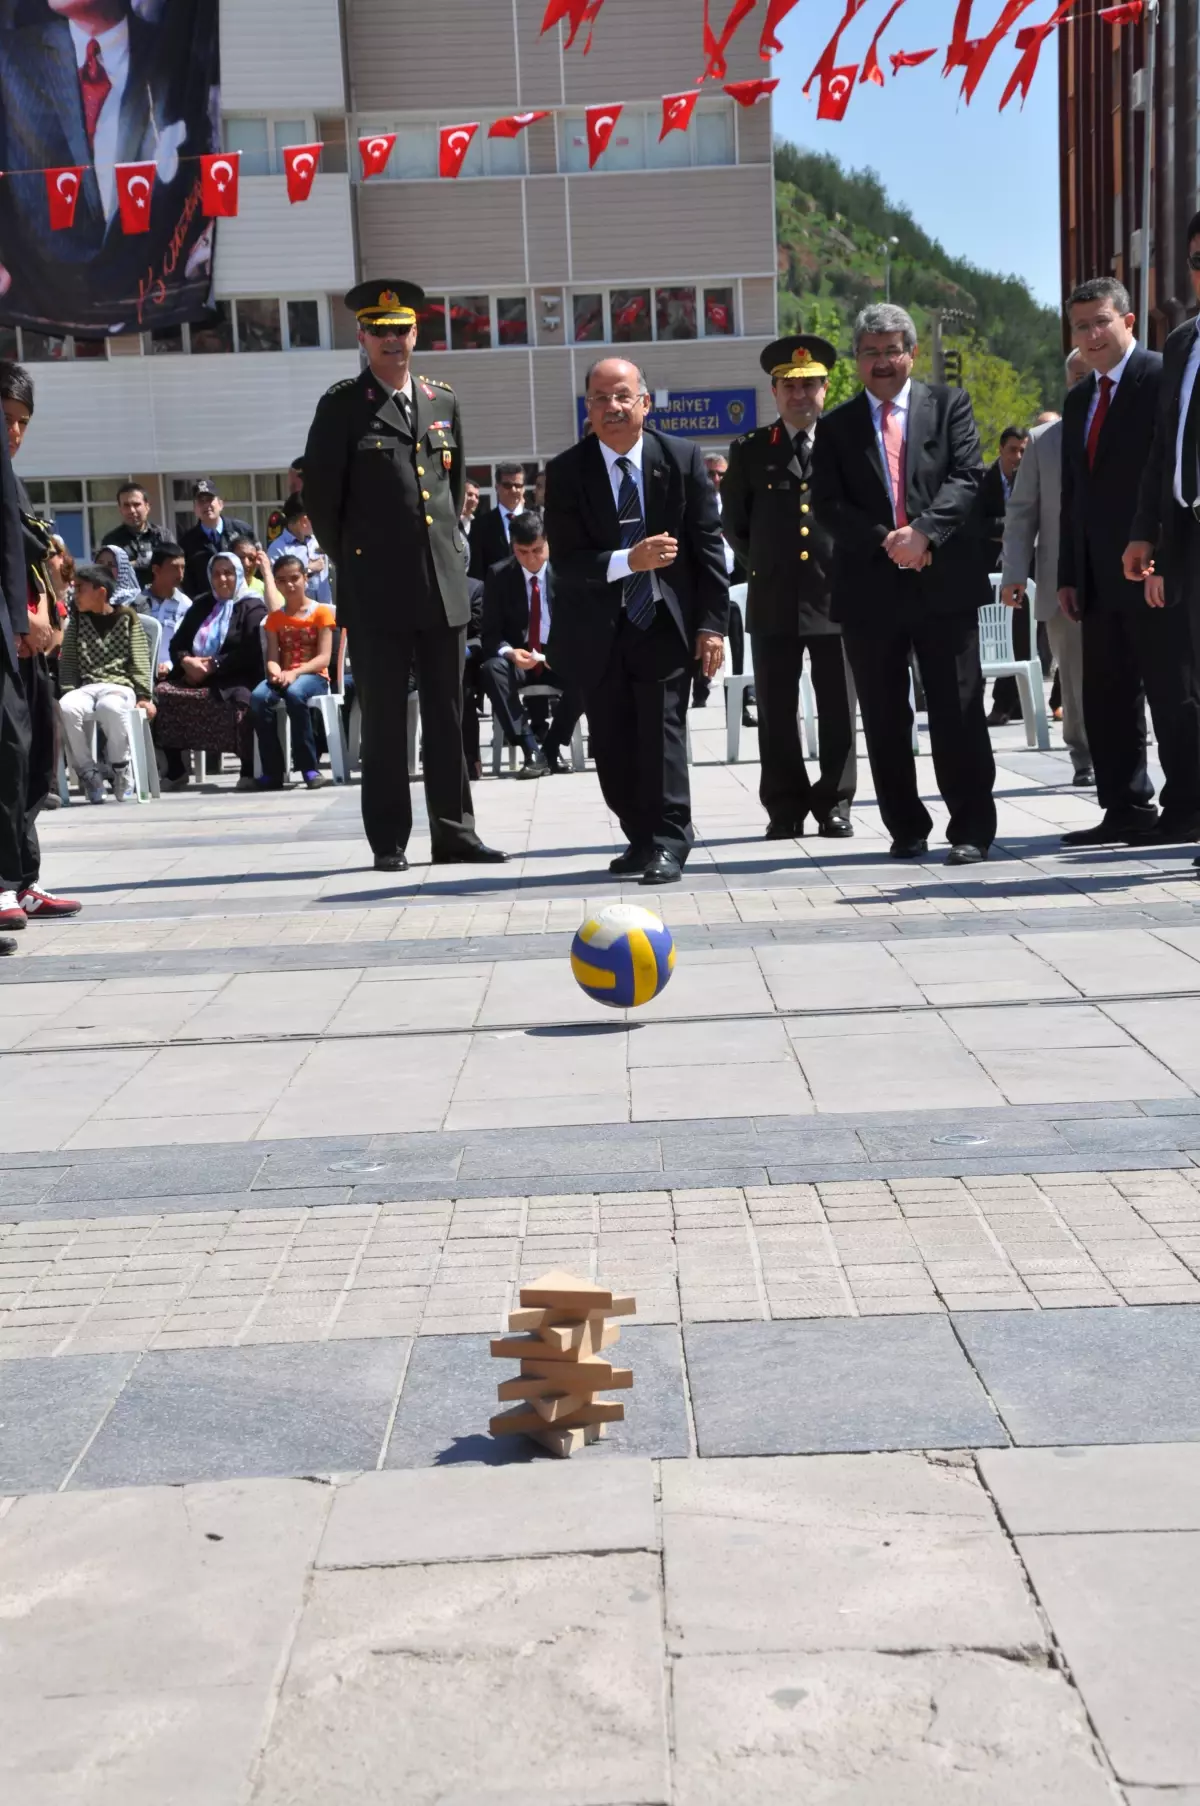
(527, 1319)
(566, 1442)
(620, 1307)
(575, 1342)
(549, 1385)
(563, 1291)
(598, 1373)
(520, 1421)
(558, 1405)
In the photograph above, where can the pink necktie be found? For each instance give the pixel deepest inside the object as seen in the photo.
(891, 427)
(535, 615)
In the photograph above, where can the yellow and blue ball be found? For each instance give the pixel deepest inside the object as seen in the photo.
(623, 956)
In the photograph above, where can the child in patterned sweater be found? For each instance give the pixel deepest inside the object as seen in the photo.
(103, 667)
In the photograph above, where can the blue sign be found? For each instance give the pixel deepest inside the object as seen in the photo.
(699, 413)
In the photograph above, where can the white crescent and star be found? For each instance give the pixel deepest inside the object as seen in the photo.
(67, 184)
(304, 162)
(604, 125)
(375, 145)
(136, 183)
(455, 138)
(222, 173)
(839, 86)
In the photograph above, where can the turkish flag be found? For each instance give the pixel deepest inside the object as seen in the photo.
(514, 124)
(300, 167)
(565, 9)
(135, 182)
(1029, 43)
(1129, 14)
(677, 110)
(62, 192)
(747, 93)
(871, 72)
(375, 152)
(910, 59)
(219, 185)
(825, 66)
(453, 145)
(601, 122)
(777, 12)
(714, 46)
(837, 85)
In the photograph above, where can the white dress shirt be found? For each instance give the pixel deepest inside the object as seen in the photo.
(899, 406)
(1190, 370)
(506, 645)
(1114, 377)
(114, 54)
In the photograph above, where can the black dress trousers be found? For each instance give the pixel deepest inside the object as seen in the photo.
(785, 790)
(637, 716)
(506, 683)
(947, 649)
(1132, 656)
(15, 740)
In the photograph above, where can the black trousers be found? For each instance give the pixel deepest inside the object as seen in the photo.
(382, 662)
(1005, 695)
(784, 789)
(637, 717)
(1132, 656)
(27, 760)
(947, 649)
(505, 684)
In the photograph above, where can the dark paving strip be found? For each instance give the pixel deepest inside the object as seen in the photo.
(617, 1157)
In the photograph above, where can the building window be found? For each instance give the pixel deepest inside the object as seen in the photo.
(512, 321)
(589, 319)
(303, 326)
(215, 334)
(472, 322)
(258, 326)
(84, 512)
(263, 140)
(631, 316)
(629, 309)
(248, 496)
(718, 313)
(675, 313)
(709, 140)
(414, 155)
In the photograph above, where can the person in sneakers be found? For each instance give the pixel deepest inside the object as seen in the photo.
(299, 646)
(104, 661)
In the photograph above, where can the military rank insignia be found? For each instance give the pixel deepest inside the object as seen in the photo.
(447, 456)
(428, 393)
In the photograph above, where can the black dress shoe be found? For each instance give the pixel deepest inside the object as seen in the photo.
(1085, 779)
(477, 855)
(554, 760)
(1110, 831)
(749, 717)
(998, 718)
(836, 827)
(630, 862)
(663, 868)
(908, 849)
(1175, 830)
(784, 830)
(966, 854)
(391, 862)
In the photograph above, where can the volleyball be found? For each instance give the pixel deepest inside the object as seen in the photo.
(623, 956)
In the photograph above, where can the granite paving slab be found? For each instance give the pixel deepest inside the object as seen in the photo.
(1043, 1492)
(48, 1409)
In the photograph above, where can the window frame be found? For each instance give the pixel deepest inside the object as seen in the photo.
(572, 125)
(700, 285)
(277, 117)
(443, 297)
(372, 124)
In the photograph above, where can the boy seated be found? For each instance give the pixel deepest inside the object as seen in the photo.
(163, 598)
(299, 646)
(104, 666)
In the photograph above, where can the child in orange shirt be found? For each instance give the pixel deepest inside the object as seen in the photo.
(299, 645)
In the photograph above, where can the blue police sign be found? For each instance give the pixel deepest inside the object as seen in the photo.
(700, 413)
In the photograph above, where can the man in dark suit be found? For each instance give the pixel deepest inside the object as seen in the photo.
(641, 594)
(212, 533)
(768, 519)
(896, 475)
(518, 603)
(489, 538)
(1164, 550)
(15, 726)
(998, 480)
(383, 480)
(1131, 654)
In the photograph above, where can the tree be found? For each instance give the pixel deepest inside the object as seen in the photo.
(1000, 395)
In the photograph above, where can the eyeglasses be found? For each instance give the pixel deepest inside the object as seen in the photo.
(506, 484)
(388, 332)
(1194, 261)
(621, 399)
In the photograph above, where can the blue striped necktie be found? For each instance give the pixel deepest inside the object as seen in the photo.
(638, 591)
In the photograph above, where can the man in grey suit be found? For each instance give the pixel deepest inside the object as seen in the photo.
(1032, 519)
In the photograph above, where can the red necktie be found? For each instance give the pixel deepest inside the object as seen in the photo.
(1093, 439)
(95, 88)
(891, 428)
(535, 615)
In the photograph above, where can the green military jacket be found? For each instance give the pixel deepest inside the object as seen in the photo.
(768, 518)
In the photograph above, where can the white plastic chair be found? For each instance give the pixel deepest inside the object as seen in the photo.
(530, 693)
(998, 659)
(142, 756)
(328, 708)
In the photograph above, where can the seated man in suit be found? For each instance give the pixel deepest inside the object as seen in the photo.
(641, 594)
(896, 475)
(518, 595)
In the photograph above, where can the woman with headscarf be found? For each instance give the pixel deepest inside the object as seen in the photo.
(216, 660)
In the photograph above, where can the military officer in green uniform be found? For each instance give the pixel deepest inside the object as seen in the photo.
(768, 519)
(384, 474)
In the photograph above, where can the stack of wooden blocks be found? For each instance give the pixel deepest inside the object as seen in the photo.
(565, 1333)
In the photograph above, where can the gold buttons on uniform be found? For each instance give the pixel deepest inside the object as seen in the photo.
(803, 557)
(429, 520)
(420, 470)
(804, 532)
(358, 551)
(424, 495)
(804, 508)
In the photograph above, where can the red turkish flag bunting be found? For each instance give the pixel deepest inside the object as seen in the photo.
(677, 110)
(871, 72)
(1029, 43)
(62, 192)
(960, 42)
(910, 59)
(375, 152)
(715, 47)
(824, 67)
(1129, 14)
(777, 12)
(836, 88)
(300, 167)
(747, 94)
(578, 13)
(981, 50)
(453, 144)
(514, 124)
(135, 182)
(219, 185)
(601, 122)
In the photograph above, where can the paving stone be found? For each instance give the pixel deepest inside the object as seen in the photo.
(163, 1174)
(472, 1514)
(224, 1413)
(48, 1409)
(917, 1729)
(493, 1662)
(795, 1388)
(1046, 1491)
(1091, 1376)
(449, 1396)
(1126, 1611)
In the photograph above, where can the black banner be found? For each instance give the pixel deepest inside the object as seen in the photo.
(145, 75)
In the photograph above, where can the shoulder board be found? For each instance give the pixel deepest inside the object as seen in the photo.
(347, 382)
(436, 383)
(754, 437)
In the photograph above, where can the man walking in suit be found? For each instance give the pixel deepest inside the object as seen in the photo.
(641, 595)
(896, 475)
(769, 521)
(1032, 520)
(1131, 654)
(518, 599)
(489, 538)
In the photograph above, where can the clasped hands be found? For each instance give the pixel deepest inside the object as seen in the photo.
(909, 548)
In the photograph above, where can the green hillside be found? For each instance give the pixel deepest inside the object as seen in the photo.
(831, 224)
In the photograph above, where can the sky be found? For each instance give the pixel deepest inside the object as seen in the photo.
(984, 183)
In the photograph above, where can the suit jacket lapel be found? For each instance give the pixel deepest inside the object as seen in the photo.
(864, 426)
(654, 485)
(389, 409)
(62, 89)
